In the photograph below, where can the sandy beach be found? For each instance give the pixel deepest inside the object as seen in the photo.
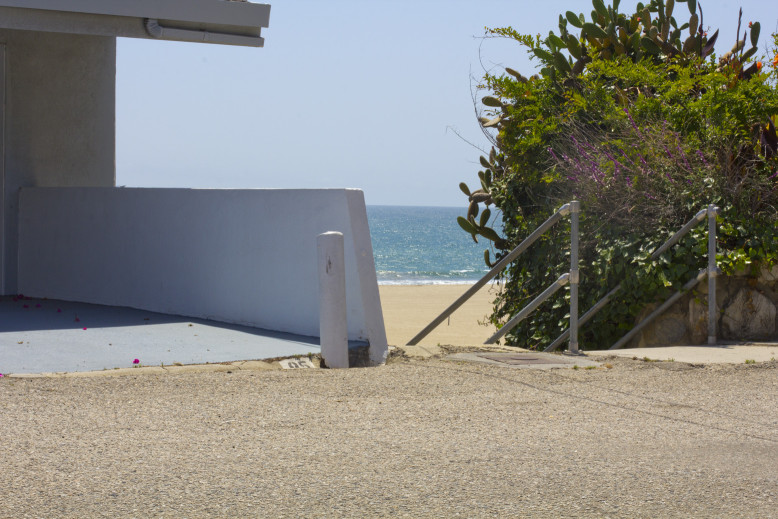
(409, 308)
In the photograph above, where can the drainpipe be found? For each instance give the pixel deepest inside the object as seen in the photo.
(155, 30)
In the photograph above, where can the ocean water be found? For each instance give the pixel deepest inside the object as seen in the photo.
(424, 245)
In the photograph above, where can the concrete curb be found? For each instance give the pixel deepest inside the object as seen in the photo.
(721, 354)
(243, 365)
(527, 360)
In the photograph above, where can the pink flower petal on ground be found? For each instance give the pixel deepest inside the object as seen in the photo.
(1, 375)
(84, 327)
(136, 361)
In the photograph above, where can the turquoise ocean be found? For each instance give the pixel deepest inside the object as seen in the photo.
(424, 246)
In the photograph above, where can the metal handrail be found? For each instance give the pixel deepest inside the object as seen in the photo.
(572, 207)
(667, 304)
(710, 212)
(510, 325)
(573, 277)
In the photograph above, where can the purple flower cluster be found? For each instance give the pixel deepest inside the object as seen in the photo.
(644, 161)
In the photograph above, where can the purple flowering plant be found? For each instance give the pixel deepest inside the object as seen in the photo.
(645, 136)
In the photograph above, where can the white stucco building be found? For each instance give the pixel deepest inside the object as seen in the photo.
(241, 256)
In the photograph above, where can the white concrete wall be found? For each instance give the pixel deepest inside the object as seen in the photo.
(240, 256)
(59, 121)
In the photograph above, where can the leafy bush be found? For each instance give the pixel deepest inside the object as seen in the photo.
(645, 126)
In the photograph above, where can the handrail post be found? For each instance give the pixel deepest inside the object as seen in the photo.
(575, 210)
(712, 272)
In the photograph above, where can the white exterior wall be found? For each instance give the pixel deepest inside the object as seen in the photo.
(239, 256)
(59, 121)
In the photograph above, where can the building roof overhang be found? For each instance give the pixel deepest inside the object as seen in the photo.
(230, 22)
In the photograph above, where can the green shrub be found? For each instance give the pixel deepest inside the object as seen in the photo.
(645, 126)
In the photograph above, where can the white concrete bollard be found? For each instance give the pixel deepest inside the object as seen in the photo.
(333, 328)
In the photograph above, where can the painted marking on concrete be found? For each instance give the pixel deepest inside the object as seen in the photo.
(297, 364)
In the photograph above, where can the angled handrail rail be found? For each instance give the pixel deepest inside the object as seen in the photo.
(572, 277)
(569, 208)
(711, 272)
(531, 307)
(667, 304)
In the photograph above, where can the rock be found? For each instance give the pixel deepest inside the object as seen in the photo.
(726, 288)
(698, 320)
(768, 275)
(645, 338)
(422, 352)
(749, 316)
(669, 330)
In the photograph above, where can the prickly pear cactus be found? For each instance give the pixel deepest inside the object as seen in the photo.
(652, 31)
(474, 224)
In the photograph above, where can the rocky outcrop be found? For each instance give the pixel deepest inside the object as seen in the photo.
(750, 315)
(747, 308)
(698, 321)
(768, 275)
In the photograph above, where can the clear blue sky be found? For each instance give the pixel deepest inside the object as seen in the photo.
(345, 93)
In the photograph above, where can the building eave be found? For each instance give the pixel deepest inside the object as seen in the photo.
(208, 21)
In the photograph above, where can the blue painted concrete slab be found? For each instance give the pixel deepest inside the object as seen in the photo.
(43, 335)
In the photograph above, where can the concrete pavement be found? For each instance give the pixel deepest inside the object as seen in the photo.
(40, 336)
(45, 335)
(734, 353)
